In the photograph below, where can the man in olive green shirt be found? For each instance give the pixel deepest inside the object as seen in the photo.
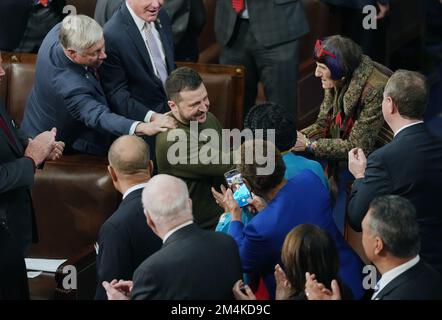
(194, 150)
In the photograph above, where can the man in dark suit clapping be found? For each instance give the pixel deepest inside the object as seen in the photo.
(409, 166)
(19, 157)
(390, 238)
(189, 264)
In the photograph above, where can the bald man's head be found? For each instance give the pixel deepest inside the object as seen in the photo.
(129, 155)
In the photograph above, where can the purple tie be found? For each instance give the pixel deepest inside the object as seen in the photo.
(159, 63)
(7, 131)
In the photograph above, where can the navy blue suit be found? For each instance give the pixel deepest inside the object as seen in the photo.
(409, 166)
(66, 96)
(304, 199)
(420, 282)
(125, 241)
(127, 75)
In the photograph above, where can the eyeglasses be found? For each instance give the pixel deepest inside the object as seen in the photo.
(320, 51)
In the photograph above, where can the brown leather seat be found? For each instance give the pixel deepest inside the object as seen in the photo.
(72, 198)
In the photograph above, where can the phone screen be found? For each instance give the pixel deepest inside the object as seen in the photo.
(233, 179)
(236, 183)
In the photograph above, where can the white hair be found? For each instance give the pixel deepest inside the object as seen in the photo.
(166, 199)
(79, 32)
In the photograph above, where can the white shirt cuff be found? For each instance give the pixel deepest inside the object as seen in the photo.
(148, 116)
(133, 127)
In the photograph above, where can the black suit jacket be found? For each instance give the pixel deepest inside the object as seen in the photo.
(127, 75)
(125, 241)
(409, 166)
(16, 213)
(13, 18)
(421, 282)
(192, 264)
(16, 179)
(14, 15)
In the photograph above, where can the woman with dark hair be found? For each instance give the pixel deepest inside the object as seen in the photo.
(272, 116)
(350, 115)
(282, 205)
(351, 112)
(306, 248)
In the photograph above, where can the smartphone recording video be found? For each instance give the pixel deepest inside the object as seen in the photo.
(239, 189)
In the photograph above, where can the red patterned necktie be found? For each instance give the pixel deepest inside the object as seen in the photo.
(238, 5)
(44, 3)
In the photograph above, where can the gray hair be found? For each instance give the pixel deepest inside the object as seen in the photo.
(409, 92)
(166, 199)
(393, 219)
(79, 32)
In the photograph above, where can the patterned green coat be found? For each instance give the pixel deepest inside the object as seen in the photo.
(360, 110)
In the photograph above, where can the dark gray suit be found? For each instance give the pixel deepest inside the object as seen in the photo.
(193, 264)
(266, 44)
(17, 224)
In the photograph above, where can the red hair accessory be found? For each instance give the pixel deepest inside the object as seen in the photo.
(320, 51)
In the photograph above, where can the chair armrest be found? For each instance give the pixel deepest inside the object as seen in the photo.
(76, 277)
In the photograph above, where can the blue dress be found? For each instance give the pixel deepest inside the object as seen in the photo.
(304, 199)
(293, 164)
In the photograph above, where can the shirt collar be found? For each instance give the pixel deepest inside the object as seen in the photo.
(408, 125)
(133, 188)
(390, 275)
(138, 21)
(168, 234)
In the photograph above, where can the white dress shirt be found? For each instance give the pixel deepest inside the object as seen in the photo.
(245, 13)
(390, 275)
(408, 125)
(167, 235)
(133, 188)
(141, 24)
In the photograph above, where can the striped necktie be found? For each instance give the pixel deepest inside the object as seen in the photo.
(155, 53)
(238, 5)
